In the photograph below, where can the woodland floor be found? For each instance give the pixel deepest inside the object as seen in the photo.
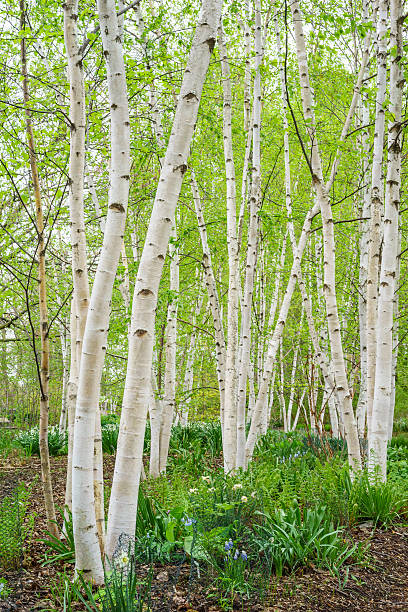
(382, 584)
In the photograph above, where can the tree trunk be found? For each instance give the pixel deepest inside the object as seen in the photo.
(125, 487)
(88, 556)
(44, 372)
(381, 413)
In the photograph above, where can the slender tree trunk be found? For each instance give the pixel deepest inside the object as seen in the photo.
(220, 348)
(169, 400)
(381, 413)
(230, 402)
(329, 286)
(88, 556)
(252, 245)
(44, 373)
(377, 200)
(71, 403)
(123, 504)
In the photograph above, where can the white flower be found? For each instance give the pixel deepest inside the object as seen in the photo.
(237, 486)
(211, 489)
(193, 490)
(244, 499)
(205, 478)
(123, 559)
(253, 494)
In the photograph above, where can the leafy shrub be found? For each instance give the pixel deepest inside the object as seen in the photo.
(401, 425)
(287, 540)
(161, 535)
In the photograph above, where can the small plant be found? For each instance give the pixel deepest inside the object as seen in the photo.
(62, 550)
(14, 530)
(110, 434)
(5, 589)
(232, 574)
(123, 591)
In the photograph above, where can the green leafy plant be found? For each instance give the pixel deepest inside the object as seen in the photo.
(61, 549)
(29, 441)
(377, 501)
(123, 591)
(14, 528)
(289, 539)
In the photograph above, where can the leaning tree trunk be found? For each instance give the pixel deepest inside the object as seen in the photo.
(44, 372)
(88, 556)
(125, 487)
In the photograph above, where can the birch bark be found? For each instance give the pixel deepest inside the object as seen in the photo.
(123, 504)
(169, 399)
(377, 202)
(252, 246)
(329, 287)
(381, 412)
(231, 418)
(88, 556)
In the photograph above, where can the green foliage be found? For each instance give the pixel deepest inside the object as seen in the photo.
(61, 549)
(110, 434)
(5, 589)
(161, 536)
(375, 501)
(123, 591)
(29, 441)
(15, 526)
(290, 538)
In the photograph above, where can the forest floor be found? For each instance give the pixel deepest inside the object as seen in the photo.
(381, 584)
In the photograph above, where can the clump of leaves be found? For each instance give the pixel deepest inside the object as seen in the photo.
(61, 549)
(371, 499)
(29, 441)
(123, 591)
(289, 539)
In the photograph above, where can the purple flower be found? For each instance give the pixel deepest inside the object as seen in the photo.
(244, 555)
(228, 545)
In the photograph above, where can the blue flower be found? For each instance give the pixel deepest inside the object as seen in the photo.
(236, 555)
(244, 555)
(228, 545)
(188, 521)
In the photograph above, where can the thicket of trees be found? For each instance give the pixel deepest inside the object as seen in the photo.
(202, 216)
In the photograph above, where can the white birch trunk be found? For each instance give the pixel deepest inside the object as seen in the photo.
(381, 413)
(209, 278)
(231, 419)
(252, 246)
(88, 556)
(377, 200)
(328, 244)
(125, 487)
(169, 400)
